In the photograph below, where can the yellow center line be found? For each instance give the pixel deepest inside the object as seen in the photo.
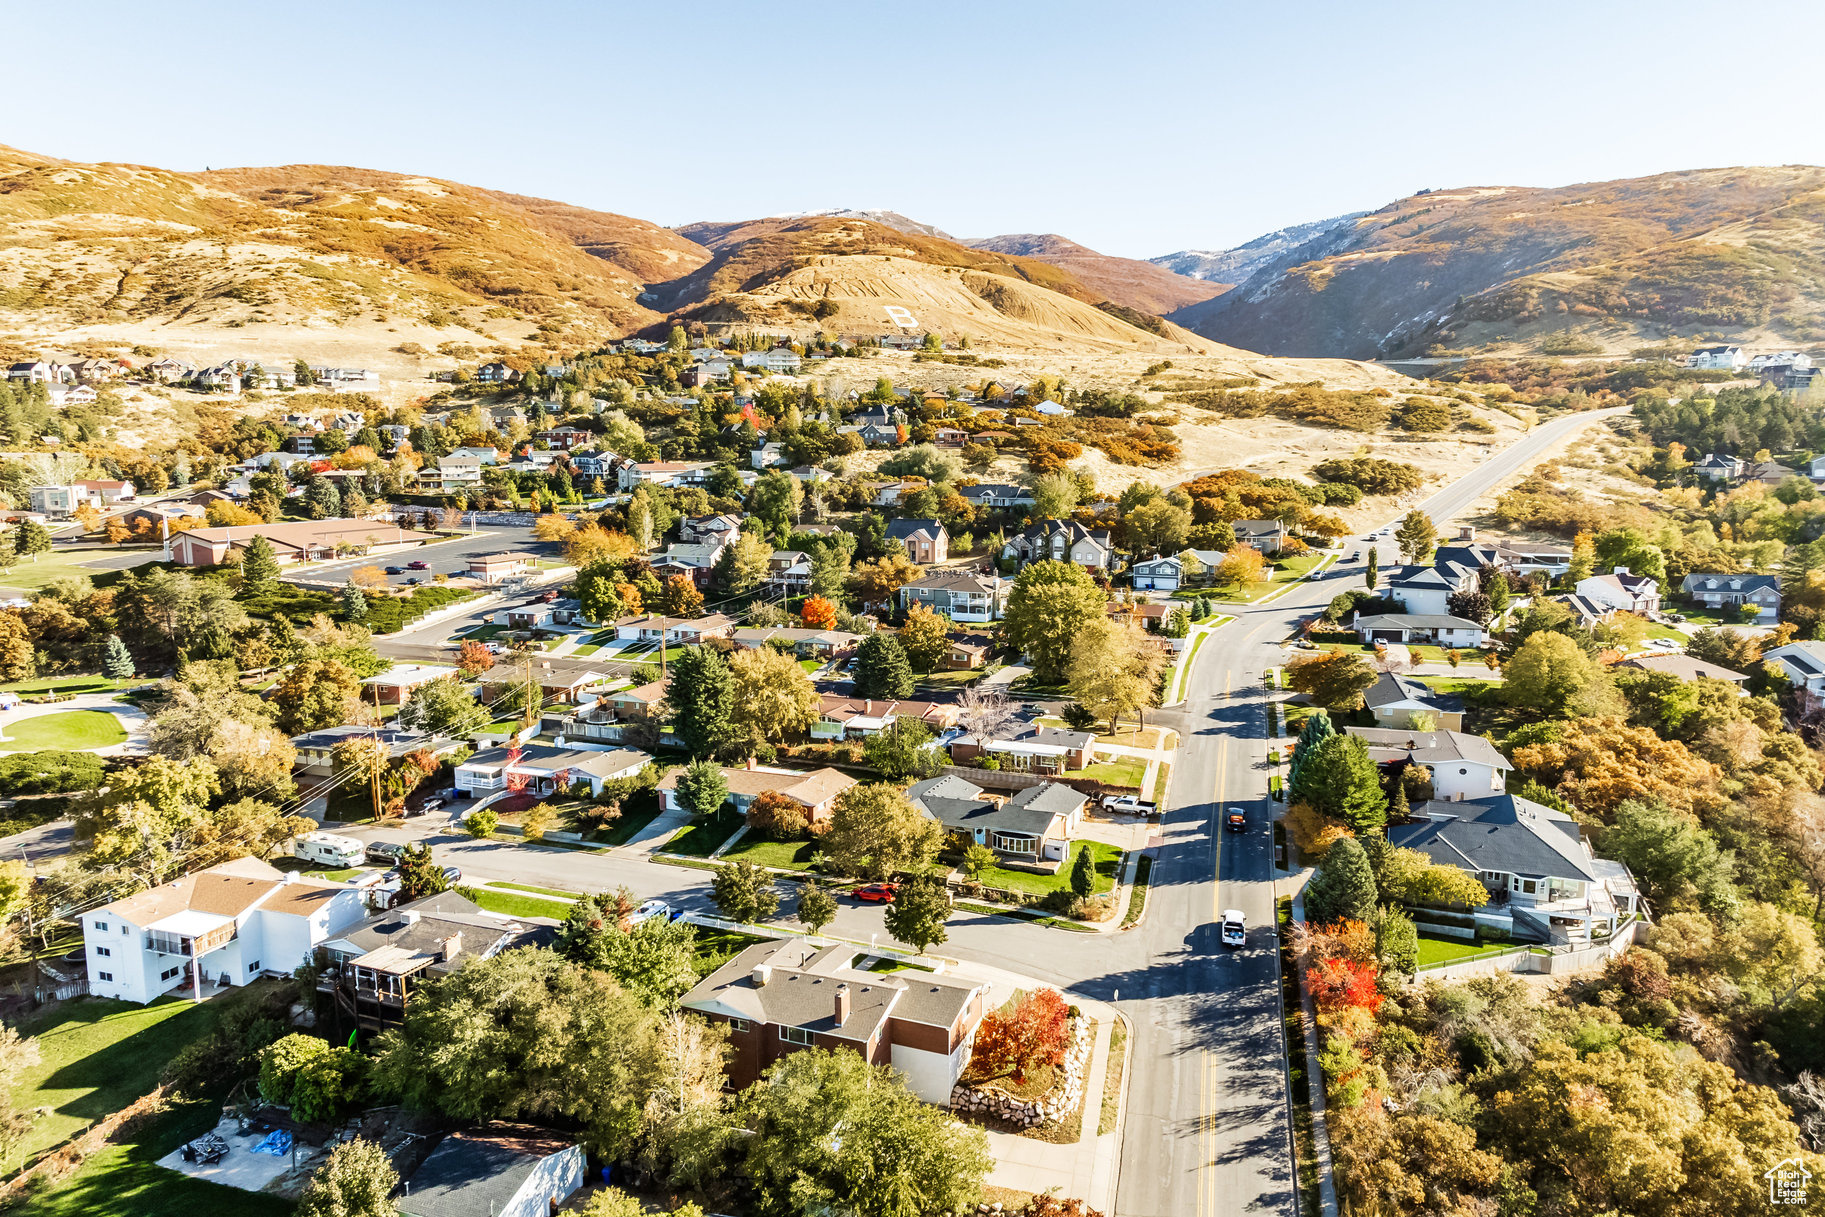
(1215, 822)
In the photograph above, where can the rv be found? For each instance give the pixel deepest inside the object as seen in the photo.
(328, 849)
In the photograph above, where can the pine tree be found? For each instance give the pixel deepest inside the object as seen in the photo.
(1083, 872)
(882, 669)
(354, 603)
(117, 663)
(1370, 576)
(32, 538)
(1344, 887)
(259, 566)
(1317, 729)
(1398, 807)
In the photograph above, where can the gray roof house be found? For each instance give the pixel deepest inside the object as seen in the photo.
(1715, 591)
(959, 595)
(1685, 667)
(498, 1170)
(997, 494)
(1440, 628)
(926, 541)
(1061, 541)
(1265, 535)
(1802, 662)
(1033, 825)
(1462, 766)
(1399, 703)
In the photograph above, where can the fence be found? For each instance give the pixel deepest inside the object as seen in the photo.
(1561, 960)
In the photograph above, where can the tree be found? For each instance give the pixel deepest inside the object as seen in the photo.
(875, 832)
(776, 817)
(679, 597)
(147, 815)
(1316, 730)
(1028, 1033)
(481, 823)
(31, 538)
(1471, 606)
(772, 698)
(329, 1085)
(1417, 536)
(828, 1132)
(443, 707)
(315, 694)
(876, 582)
(702, 787)
(742, 566)
(1083, 872)
(925, 638)
(1343, 887)
(1114, 668)
(354, 603)
(259, 566)
(1054, 496)
(1597, 764)
(419, 874)
(816, 906)
(282, 1061)
(537, 821)
(1334, 680)
(1339, 779)
(1551, 675)
(1677, 860)
(776, 500)
(984, 712)
(356, 1180)
(1407, 876)
(117, 660)
(917, 914)
(701, 697)
(1049, 605)
(474, 658)
(881, 668)
(744, 892)
(1159, 526)
(903, 749)
(817, 613)
(1241, 566)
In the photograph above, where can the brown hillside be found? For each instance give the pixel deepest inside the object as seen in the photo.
(1126, 281)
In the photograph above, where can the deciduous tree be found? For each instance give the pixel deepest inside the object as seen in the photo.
(816, 906)
(875, 832)
(744, 892)
(772, 698)
(917, 914)
(924, 638)
(1114, 669)
(1049, 605)
(1028, 1033)
(356, 1180)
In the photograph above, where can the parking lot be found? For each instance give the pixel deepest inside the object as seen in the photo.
(443, 558)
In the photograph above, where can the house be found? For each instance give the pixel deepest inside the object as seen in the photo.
(1718, 359)
(815, 791)
(39, 371)
(482, 455)
(1153, 616)
(508, 564)
(451, 473)
(1685, 667)
(498, 1170)
(1421, 589)
(649, 627)
(160, 519)
(1265, 536)
(1718, 467)
(926, 541)
(1768, 473)
(372, 968)
(1462, 766)
(1803, 663)
(346, 380)
(1163, 574)
(1622, 591)
(697, 561)
(721, 529)
(959, 595)
(875, 435)
(788, 571)
(535, 616)
(776, 997)
(1778, 359)
(316, 750)
(565, 687)
(170, 371)
(766, 456)
(1034, 825)
(394, 686)
(300, 541)
(663, 473)
(1030, 748)
(604, 718)
(1398, 703)
(997, 494)
(949, 437)
(1547, 883)
(563, 439)
(810, 644)
(496, 373)
(544, 770)
(960, 656)
(842, 717)
(1061, 541)
(72, 395)
(62, 502)
(226, 925)
(94, 370)
(1588, 612)
(1442, 629)
(1715, 591)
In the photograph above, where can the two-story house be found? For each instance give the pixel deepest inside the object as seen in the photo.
(372, 968)
(1061, 541)
(1716, 591)
(959, 595)
(1400, 704)
(926, 541)
(1622, 591)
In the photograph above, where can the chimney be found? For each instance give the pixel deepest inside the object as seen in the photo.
(410, 916)
(1619, 570)
(1466, 532)
(761, 974)
(752, 765)
(842, 1004)
(453, 946)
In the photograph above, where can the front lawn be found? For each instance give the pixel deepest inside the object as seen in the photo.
(71, 685)
(1116, 771)
(32, 573)
(627, 824)
(513, 904)
(785, 855)
(1107, 859)
(71, 731)
(700, 838)
(1285, 570)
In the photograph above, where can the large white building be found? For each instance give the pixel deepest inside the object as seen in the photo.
(223, 926)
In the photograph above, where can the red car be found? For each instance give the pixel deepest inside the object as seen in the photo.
(876, 893)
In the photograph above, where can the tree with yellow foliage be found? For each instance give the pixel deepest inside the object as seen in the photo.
(1242, 565)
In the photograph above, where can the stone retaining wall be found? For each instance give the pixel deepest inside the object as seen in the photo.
(1061, 1102)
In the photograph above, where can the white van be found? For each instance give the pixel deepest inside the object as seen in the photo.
(328, 849)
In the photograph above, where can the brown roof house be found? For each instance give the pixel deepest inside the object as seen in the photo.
(778, 997)
(815, 791)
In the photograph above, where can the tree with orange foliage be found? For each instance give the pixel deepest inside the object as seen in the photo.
(587, 546)
(818, 614)
(1242, 565)
(368, 576)
(118, 531)
(1600, 763)
(475, 659)
(679, 597)
(223, 514)
(630, 598)
(1032, 1031)
(1343, 984)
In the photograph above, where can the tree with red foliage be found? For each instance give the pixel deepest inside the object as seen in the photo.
(1338, 984)
(818, 614)
(778, 818)
(475, 659)
(1033, 1031)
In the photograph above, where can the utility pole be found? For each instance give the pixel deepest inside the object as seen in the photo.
(374, 764)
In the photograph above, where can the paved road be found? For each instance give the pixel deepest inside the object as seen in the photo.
(445, 557)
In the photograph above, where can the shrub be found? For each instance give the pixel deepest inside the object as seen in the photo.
(481, 824)
(778, 818)
(282, 1061)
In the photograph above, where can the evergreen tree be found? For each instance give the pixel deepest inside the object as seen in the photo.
(259, 566)
(1083, 872)
(1344, 887)
(882, 669)
(354, 603)
(117, 662)
(31, 537)
(701, 696)
(1499, 594)
(1317, 729)
(1339, 779)
(1398, 807)
(1369, 575)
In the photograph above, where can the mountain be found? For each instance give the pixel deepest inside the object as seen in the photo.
(1236, 265)
(1125, 281)
(846, 275)
(1593, 268)
(892, 219)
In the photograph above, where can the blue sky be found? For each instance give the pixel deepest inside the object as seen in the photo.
(1137, 128)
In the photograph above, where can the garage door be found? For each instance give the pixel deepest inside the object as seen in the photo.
(1386, 635)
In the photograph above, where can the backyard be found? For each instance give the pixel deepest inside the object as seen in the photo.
(72, 731)
(1456, 950)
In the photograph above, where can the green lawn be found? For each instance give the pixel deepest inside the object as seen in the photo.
(1455, 950)
(1108, 859)
(588, 648)
(72, 730)
(511, 904)
(540, 891)
(1116, 771)
(71, 684)
(786, 855)
(1455, 684)
(701, 837)
(47, 568)
(1285, 570)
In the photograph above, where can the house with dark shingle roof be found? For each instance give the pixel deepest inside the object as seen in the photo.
(1400, 703)
(498, 1170)
(1716, 591)
(926, 541)
(1030, 748)
(1462, 766)
(1034, 825)
(959, 595)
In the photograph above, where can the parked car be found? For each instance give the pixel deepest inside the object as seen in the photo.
(418, 564)
(386, 853)
(876, 893)
(650, 910)
(413, 581)
(1236, 819)
(429, 806)
(1235, 928)
(497, 648)
(549, 597)
(396, 570)
(1132, 804)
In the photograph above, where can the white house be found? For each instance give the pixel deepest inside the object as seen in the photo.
(1802, 662)
(1715, 591)
(1622, 591)
(1400, 704)
(1718, 359)
(1462, 766)
(1422, 589)
(1442, 629)
(543, 770)
(223, 926)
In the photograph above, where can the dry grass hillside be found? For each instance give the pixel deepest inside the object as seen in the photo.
(1592, 268)
(1126, 281)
